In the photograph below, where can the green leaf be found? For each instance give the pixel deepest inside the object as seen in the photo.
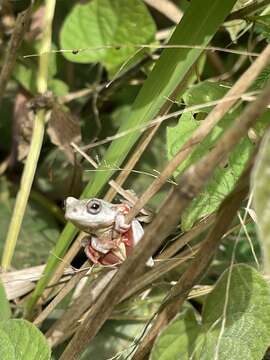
(203, 93)
(99, 23)
(171, 68)
(20, 340)
(25, 71)
(58, 87)
(247, 314)
(262, 25)
(261, 177)
(5, 311)
(178, 340)
(247, 326)
(26, 76)
(225, 175)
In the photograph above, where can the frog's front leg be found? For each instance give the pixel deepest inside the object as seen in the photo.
(104, 248)
(90, 252)
(120, 225)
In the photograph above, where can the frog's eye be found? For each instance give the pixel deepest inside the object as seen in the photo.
(93, 206)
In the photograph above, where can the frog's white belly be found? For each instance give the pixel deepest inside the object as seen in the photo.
(98, 246)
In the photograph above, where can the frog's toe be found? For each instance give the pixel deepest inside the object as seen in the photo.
(150, 262)
(86, 241)
(120, 224)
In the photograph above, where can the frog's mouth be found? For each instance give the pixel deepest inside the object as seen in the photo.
(93, 226)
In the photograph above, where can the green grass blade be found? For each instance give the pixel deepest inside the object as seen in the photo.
(197, 27)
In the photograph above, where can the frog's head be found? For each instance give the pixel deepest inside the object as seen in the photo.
(90, 215)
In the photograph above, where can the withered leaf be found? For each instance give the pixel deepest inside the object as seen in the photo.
(22, 128)
(64, 128)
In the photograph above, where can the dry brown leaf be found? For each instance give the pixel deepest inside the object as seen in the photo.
(63, 129)
(22, 128)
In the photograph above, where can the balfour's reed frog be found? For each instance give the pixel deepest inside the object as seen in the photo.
(110, 240)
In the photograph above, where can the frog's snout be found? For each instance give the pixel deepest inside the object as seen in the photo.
(70, 201)
(70, 206)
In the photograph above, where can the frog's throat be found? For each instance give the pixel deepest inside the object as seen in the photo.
(99, 232)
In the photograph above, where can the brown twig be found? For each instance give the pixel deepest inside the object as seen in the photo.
(20, 28)
(167, 8)
(121, 178)
(70, 319)
(207, 125)
(69, 256)
(190, 184)
(187, 237)
(60, 296)
(198, 266)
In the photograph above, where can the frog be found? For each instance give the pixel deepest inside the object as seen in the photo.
(110, 240)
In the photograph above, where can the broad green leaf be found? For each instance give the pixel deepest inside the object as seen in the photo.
(262, 25)
(58, 87)
(261, 177)
(25, 71)
(39, 230)
(26, 76)
(221, 184)
(225, 175)
(247, 314)
(245, 335)
(20, 340)
(99, 23)
(171, 68)
(203, 93)
(5, 311)
(179, 339)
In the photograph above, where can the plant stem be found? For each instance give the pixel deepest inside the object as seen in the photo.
(19, 30)
(35, 146)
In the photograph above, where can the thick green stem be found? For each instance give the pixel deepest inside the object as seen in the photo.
(24, 191)
(35, 146)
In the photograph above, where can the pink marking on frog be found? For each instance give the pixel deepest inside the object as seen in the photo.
(125, 236)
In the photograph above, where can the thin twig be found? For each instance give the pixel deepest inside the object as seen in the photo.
(19, 30)
(143, 143)
(60, 296)
(70, 320)
(151, 46)
(190, 184)
(69, 256)
(184, 239)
